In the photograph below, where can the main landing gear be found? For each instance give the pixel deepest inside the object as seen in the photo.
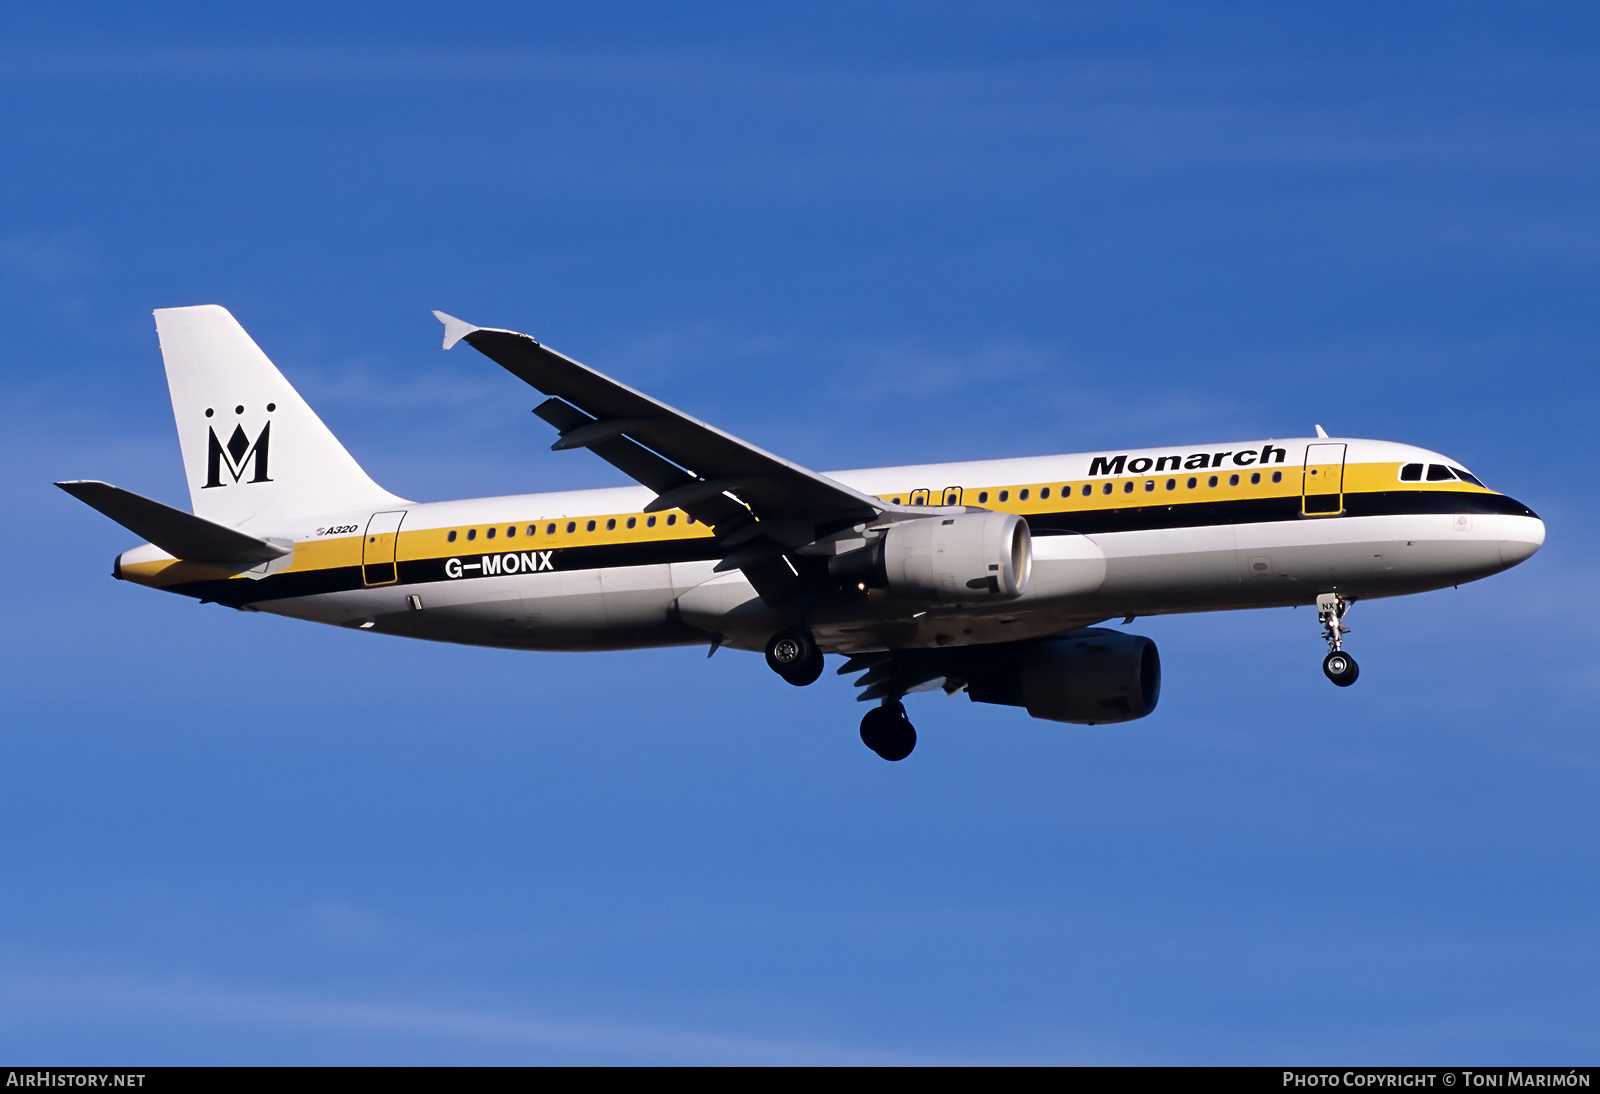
(1338, 666)
(888, 732)
(793, 655)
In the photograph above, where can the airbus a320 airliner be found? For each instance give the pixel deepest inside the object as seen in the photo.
(987, 577)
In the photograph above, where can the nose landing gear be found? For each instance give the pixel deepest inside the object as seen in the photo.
(1338, 666)
(888, 732)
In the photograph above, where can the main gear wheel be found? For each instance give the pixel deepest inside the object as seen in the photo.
(888, 732)
(793, 655)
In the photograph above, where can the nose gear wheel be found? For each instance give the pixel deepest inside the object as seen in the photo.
(1341, 668)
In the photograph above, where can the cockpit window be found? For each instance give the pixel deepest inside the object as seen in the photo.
(1438, 472)
(1411, 472)
(1467, 476)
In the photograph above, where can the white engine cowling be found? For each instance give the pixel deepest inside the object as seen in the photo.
(962, 559)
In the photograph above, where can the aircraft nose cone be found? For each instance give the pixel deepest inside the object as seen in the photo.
(1518, 542)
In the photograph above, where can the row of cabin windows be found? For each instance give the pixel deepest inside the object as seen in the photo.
(1127, 487)
(1411, 472)
(1437, 472)
(572, 526)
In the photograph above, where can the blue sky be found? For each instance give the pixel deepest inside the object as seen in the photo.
(853, 234)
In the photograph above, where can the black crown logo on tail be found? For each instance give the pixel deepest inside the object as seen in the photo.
(236, 455)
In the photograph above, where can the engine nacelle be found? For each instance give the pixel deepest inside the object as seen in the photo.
(1089, 676)
(962, 559)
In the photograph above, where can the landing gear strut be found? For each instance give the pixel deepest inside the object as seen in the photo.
(793, 655)
(1338, 666)
(888, 732)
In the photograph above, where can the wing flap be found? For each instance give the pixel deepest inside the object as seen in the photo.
(646, 468)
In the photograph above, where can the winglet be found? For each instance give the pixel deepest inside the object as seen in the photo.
(1323, 433)
(454, 329)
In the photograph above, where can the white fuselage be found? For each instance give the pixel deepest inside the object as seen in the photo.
(1107, 542)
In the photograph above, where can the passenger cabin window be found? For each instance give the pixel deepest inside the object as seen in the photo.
(1438, 472)
(1004, 495)
(1149, 485)
(572, 526)
(1277, 476)
(1233, 480)
(1411, 472)
(672, 518)
(511, 531)
(1044, 495)
(1465, 476)
(472, 533)
(1255, 479)
(1172, 484)
(983, 496)
(1106, 489)
(1191, 483)
(650, 522)
(489, 534)
(632, 521)
(549, 529)
(1127, 487)
(611, 525)
(451, 538)
(1087, 489)
(589, 527)
(1023, 496)
(1212, 481)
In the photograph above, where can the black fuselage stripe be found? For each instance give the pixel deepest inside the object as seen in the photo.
(603, 556)
(1269, 510)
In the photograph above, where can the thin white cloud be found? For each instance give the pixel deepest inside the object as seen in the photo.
(601, 1041)
(1235, 108)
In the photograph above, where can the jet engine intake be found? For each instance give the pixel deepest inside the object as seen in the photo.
(964, 559)
(1088, 676)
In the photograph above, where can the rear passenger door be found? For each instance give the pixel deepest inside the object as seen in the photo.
(378, 548)
(1322, 487)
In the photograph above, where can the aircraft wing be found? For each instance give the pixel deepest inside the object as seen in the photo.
(691, 465)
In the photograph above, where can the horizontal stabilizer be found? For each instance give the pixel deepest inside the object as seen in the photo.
(182, 535)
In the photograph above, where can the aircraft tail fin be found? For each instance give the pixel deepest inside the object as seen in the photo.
(253, 449)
